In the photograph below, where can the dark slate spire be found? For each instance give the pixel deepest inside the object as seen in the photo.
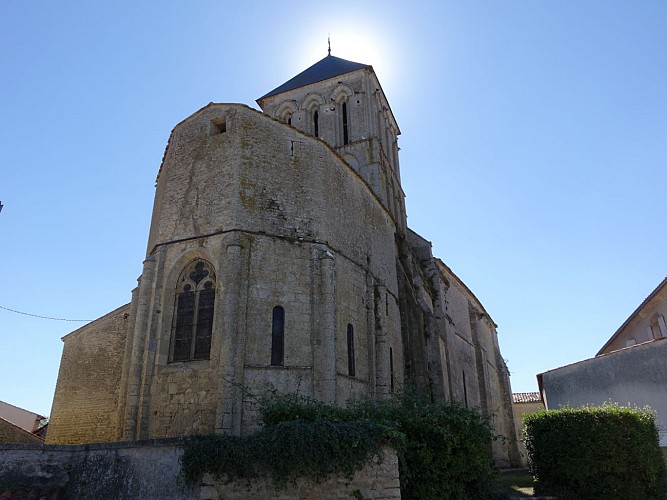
(328, 67)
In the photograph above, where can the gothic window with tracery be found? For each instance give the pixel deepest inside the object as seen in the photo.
(193, 313)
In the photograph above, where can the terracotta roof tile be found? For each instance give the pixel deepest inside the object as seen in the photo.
(526, 397)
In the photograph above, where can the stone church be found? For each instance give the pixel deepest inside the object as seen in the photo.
(279, 258)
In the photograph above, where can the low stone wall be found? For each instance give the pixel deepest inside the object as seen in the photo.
(379, 481)
(152, 469)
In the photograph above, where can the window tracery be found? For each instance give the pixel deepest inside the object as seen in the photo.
(193, 313)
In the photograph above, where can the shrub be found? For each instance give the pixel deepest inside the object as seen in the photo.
(608, 452)
(443, 449)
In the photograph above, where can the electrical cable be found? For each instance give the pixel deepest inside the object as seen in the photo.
(42, 317)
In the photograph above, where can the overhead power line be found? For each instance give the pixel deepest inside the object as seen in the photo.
(42, 317)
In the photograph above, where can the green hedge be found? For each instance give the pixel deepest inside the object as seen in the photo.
(446, 449)
(443, 449)
(607, 452)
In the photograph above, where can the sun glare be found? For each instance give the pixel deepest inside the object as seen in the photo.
(361, 46)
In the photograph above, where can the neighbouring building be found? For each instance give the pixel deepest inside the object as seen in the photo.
(279, 258)
(523, 403)
(631, 368)
(21, 426)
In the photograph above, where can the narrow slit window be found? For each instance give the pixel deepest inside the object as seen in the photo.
(316, 124)
(391, 369)
(351, 371)
(278, 336)
(346, 137)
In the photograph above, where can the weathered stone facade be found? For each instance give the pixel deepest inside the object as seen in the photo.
(298, 216)
(85, 408)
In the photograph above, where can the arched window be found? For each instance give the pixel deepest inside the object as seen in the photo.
(346, 137)
(285, 111)
(278, 336)
(316, 124)
(193, 313)
(350, 351)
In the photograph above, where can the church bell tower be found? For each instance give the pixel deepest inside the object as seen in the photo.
(342, 103)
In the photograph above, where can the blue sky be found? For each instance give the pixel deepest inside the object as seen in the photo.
(533, 151)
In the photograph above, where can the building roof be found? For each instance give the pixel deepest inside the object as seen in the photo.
(526, 397)
(328, 67)
(25, 419)
(612, 353)
(655, 292)
(15, 434)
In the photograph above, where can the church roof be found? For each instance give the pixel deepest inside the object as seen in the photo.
(328, 67)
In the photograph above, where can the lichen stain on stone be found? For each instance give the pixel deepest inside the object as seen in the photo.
(248, 194)
(246, 134)
(370, 146)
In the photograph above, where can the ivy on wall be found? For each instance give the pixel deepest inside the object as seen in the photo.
(443, 449)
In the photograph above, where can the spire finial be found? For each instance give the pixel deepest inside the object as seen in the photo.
(329, 42)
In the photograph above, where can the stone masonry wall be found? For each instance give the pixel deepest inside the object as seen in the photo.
(379, 481)
(460, 348)
(270, 216)
(372, 148)
(85, 404)
(287, 184)
(152, 469)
